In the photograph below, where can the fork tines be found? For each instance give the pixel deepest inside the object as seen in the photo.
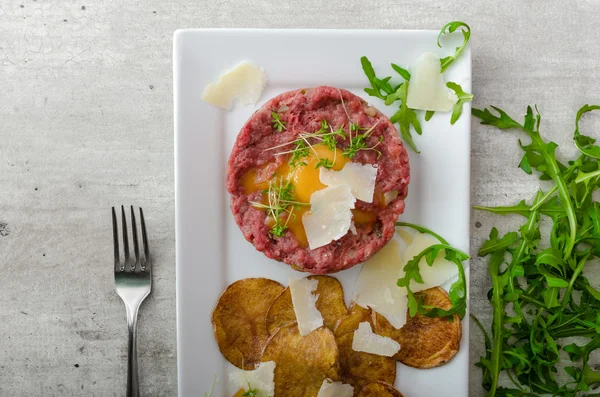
(138, 263)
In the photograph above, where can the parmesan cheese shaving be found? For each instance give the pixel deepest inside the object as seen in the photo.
(260, 379)
(427, 90)
(335, 389)
(330, 215)
(376, 284)
(365, 340)
(304, 301)
(244, 82)
(360, 177)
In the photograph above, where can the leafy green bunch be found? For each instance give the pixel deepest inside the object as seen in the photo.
(390, 93)
(539, 294)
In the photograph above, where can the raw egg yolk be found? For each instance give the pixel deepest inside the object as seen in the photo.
(306, 181)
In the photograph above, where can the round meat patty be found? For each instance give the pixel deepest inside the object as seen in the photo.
(303, 111)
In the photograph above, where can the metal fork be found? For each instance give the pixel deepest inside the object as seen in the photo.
(133, 281)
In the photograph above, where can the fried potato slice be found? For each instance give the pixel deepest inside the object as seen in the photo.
(356, 315)
(379, 389)
(425, 342)
(239, 320)
(359, 368)
(330, 303)
(302, 363)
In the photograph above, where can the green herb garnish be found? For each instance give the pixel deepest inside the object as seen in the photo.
(359, 141)
(303, 146)
(325, 163)
(539, 294)
(381, 88)
(277, 123)
(451, 27)
(585, 144)
(390, 93)
(458, 290)
(251, 392)
(281, 204)
(463, 98)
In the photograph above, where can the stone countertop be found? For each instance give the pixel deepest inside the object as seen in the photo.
(87, 123)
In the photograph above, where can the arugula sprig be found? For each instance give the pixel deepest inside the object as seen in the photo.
(458, 290)
(463, 98)
(381, 88)
(539, 293)
(451, 27)
(584, 143)
(544, 155)
(406, 117)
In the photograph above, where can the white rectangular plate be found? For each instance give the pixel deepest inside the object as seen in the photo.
(211, 251)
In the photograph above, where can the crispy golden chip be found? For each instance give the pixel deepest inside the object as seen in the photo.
(330, 303)
(357, 314)
(239, 320)
(425, 342)
(239, 393)
(281, 312)
(302, 363)
(359, 368)
(379, 389)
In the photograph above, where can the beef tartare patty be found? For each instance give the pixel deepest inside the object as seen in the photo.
(291, 135)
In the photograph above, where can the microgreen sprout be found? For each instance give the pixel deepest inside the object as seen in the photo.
(280, 204)
(276, 121)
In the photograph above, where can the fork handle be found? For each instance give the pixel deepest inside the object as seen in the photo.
(133, 382)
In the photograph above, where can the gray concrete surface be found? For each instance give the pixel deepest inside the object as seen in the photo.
(86, 123)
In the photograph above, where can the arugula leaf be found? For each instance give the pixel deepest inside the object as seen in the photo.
(458, 290)
(406, 117)
(451, 27)
(503, 121)
(546, 150)
(463, 98)
(401, 71)
(585, 144)
(533, 288)
(495, 355)
(377, 84)
(494, 244)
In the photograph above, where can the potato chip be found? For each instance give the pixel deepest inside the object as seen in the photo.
(379, 389)
(330, 304)
(281, 312)
(425, 342)
(359, 368)
(239, 320)
(302, 363)
(356, 315)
